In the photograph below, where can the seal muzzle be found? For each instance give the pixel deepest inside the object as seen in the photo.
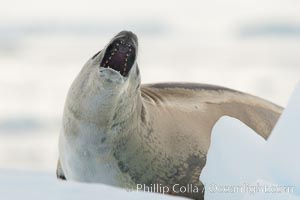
(120, 54)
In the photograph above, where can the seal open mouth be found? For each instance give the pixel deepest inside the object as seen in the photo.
(121, 53)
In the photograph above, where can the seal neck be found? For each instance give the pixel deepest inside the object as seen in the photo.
(126, 116)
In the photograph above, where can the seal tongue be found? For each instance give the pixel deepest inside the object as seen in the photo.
(120, 56)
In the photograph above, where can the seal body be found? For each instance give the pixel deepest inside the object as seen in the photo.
(119, 132)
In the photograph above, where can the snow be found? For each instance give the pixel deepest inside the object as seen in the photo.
(233, 148)
(25, 185)
(283, 145)
(241, 165)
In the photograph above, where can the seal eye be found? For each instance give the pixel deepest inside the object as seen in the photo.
(96, 55)
(120, 56)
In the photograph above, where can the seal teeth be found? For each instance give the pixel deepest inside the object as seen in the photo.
(119, 56)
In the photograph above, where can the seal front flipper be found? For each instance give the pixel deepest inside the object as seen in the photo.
(59, 172)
